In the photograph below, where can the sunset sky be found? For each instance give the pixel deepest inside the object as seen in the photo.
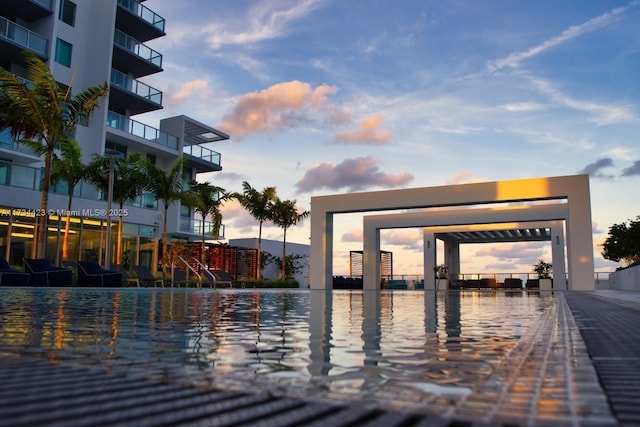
(333, 96)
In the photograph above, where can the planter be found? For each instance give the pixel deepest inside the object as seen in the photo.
(442, 284)
(545, 284)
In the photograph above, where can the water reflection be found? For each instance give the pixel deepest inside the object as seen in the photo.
(345, 341)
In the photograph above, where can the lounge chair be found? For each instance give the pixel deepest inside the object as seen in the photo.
(222, 278)
(179, 277)
(43, 273)
(10, 277)
(125, 275)
(90, 273)
(145, 276)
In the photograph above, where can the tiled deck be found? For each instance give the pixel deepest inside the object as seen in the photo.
(551, 378)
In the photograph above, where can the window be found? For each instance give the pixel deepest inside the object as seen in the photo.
(115, 150)
(63, 52)
(67, 12)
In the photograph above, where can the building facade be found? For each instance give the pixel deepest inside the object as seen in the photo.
(87, 43)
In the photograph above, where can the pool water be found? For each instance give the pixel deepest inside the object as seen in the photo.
(404, 348)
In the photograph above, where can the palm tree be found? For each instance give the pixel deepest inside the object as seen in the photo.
(41, 114)
(285, 214)
(259, 206)
(206, 200)
(165, 186)
(70, 169)
(129, 180)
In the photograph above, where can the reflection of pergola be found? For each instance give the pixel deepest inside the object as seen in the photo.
(568, 210)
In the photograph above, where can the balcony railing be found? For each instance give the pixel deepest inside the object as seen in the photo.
(7, 142)
(194, 226)
(23, 36)
(143, 12)
(118, 121)
(43, 3)
(203, 153)
(130, 84)
(29, 177)
(134, 46)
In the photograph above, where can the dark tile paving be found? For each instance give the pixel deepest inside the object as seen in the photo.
(610, 328)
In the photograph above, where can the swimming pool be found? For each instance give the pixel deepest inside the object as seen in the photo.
(405, 349)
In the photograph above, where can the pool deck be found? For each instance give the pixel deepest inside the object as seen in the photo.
(580, 366)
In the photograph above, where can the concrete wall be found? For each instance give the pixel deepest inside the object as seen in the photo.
(274, 247)
(625, 280)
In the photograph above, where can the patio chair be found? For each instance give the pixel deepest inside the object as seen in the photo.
(179, 277)
(222, 278)
(125, 275)
(90, 273)
(145, 276)
(43, 273)
(10, 277)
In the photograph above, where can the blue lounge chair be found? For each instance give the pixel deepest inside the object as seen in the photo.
(10, 277)
(145, 276)
(90, 273)
(222, 278)
(43, 273)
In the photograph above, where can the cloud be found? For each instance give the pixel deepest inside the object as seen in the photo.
(352, 174)
(594, 169)
(519, 107)
(604, 114)
(282, 105)
(188, 90)
(409, 239)
(464, 178)
(266, 20)
(632, 170)
(354, 235)
(370, 132)
(515, 59)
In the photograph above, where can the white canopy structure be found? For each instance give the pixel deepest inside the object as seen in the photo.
(564, 218)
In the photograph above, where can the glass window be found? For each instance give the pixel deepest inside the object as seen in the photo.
(63, 53)
(67, 12)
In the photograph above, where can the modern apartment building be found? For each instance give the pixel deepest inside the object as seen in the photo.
(90, 42)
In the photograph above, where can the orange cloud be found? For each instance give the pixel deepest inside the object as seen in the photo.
(370, 132)
(282, 105)
(198, 88)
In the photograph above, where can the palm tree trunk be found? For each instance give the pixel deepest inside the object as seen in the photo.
(67, 226)
(164, 240)
(202, 247)
(119, 242)
(284, 255)
(41, 231)
(259, 273)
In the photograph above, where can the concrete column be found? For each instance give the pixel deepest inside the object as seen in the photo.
(321, 268)
(371, 257)
(558, 256)
(580, 236)
(429, 247)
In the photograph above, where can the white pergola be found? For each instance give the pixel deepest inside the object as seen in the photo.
(567, 215)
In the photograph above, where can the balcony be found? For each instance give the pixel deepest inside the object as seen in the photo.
(136, 58)
(149, 138)
(139, 21)
(29, 10)
(15, 38)
(11, 150)
(194, 226)
(130, 94)
(202, 159)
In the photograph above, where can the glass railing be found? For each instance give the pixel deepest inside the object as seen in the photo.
(134, 46)
(23, 36)
(7, 142)
(30, 178)
(43, 3)
(143, 12)
(194, 226)
(130, 84)
(202, 153)
(118, 121)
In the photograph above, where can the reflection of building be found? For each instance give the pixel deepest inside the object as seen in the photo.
(90, 42)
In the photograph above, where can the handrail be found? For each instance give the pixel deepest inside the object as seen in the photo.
(127, 42)
(144, 13)
(206, 272)
(189, 268)
(23, 36)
